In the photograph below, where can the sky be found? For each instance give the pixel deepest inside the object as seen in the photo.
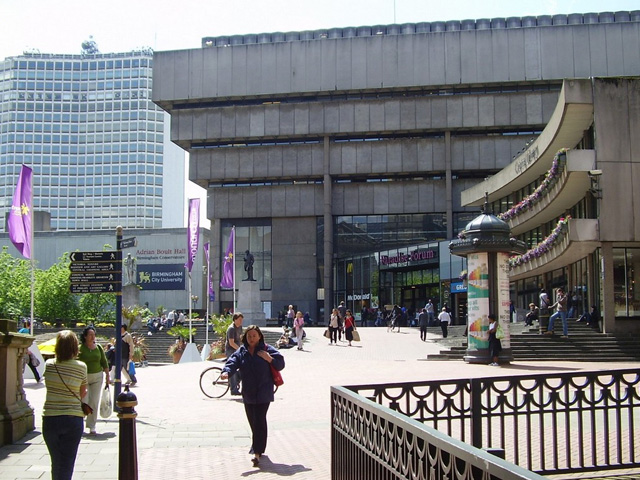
(51, 26)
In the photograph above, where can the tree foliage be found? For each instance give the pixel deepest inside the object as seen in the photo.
(15, 286)
(53, 298)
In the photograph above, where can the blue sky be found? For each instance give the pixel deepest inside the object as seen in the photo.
(118, 25)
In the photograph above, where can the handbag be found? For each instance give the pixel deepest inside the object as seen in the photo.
(86, 408)
(326, 333)
(356, 335)
(106, 407)
(275, 374)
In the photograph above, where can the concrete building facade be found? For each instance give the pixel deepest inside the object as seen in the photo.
(341, 155)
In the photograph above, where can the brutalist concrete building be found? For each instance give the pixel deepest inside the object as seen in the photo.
(341, 155)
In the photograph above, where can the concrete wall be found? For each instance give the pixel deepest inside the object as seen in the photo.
(617, 124)
(397, 61)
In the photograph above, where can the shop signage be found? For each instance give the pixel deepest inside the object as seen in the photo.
(419, 256)
(364, 296)
(458, 287)
(525, 159)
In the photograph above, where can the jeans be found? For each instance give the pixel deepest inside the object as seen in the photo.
(62, 435)
(94, 391)
(552, 319)
(333, 334)
(257, 416)
(423, 332)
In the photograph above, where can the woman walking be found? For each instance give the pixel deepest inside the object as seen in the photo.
(66, 382)
(298, 324)
(92, 354)
(349, 326)
(334, 326)
(495, 345)
(254, 360)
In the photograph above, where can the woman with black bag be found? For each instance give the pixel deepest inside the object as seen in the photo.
(62, 422)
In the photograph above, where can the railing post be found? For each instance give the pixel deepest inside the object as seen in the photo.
(128, 448)
(475, 408)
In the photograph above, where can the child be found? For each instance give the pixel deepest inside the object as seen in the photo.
(298, 324)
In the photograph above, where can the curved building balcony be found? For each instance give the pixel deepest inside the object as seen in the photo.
(578, 239)
(570, 186)
(571, 117)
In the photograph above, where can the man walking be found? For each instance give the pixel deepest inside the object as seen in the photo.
(430, 313)
(423, 318)
(444, 318)
(231, 344)
(561, 311)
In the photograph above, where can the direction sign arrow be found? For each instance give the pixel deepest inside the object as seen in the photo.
(93, 277)
(127, 243)
(96, 267)
(95, 256)
(94, 288)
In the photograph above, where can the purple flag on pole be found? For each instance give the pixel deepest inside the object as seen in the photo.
(212, 295)
(227, 266)
(193, 232)
(20, 225)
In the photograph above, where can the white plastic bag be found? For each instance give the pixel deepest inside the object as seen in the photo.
(106, 407)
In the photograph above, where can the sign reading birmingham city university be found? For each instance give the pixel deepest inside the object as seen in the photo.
(161, 276)
(478, 300)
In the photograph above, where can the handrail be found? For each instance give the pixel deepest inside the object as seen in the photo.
(547, 423)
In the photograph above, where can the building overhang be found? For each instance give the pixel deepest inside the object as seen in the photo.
(581, 239)
(574, 181)
(572, 116)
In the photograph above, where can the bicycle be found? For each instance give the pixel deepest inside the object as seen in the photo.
(214, 387)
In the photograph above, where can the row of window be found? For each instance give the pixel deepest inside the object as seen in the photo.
(83, 204)
(146, 118)
(76, 107)
(92, 95)
(106, 223)
(107, 212)
(77, 76)
(80, 64)
(77, 140)
(81, 150)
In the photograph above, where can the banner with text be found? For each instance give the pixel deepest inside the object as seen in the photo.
(478, 300)
(161, 277)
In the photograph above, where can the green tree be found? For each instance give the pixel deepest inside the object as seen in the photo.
(15, 285)
(98, 307)
(53, 298)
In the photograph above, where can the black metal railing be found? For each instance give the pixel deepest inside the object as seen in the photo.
(369, 441)
(546, 423)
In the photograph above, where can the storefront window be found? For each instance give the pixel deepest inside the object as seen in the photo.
(626, 269)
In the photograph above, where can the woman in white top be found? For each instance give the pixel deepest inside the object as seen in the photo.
(334, 326)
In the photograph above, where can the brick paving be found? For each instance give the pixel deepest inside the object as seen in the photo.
(183, 434)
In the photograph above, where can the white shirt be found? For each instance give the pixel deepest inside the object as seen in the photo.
(444, 317)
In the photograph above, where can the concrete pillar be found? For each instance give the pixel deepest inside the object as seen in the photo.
(606, 280)
(328, 234)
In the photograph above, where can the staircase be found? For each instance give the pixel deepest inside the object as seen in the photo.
(583, 344)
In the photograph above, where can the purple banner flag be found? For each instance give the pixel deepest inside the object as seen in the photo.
(193, 232)
(227, 266)
(20, 224)
(212, 295)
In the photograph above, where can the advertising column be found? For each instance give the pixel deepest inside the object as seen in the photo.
(478, 301)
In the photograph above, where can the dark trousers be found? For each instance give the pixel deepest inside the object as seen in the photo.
(423, 332)
(333, 334)
(234, 381)
(443, 326)
(257, 416)
(62, 435)
(34, 370)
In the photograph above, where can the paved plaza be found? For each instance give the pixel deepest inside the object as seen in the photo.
(183, 434)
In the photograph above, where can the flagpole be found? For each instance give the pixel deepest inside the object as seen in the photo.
(206, 323)
(33, 261)
(190, 303)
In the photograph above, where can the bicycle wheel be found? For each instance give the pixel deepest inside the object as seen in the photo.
(211, 384)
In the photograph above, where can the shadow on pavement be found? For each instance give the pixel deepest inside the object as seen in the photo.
(281, 469)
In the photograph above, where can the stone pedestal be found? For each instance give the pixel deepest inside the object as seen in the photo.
(249, 304)
(16, 415)
(130, 295)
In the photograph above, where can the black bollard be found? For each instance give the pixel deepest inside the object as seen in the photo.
(128, 448)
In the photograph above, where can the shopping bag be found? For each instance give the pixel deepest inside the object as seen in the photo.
(356, 336)
(131, 367)
(499, 332)
(327, 333)
(106, 407)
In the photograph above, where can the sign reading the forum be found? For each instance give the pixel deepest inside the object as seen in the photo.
(161, 277)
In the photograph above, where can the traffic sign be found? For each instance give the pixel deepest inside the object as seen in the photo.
(96, 267)
(93, 277)
(127, 243)
(95, 256)
(95, 287)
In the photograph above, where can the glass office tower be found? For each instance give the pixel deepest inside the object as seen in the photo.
(95, 140)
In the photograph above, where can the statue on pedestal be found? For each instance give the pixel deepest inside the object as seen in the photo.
(248, 266)
(130, 269)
